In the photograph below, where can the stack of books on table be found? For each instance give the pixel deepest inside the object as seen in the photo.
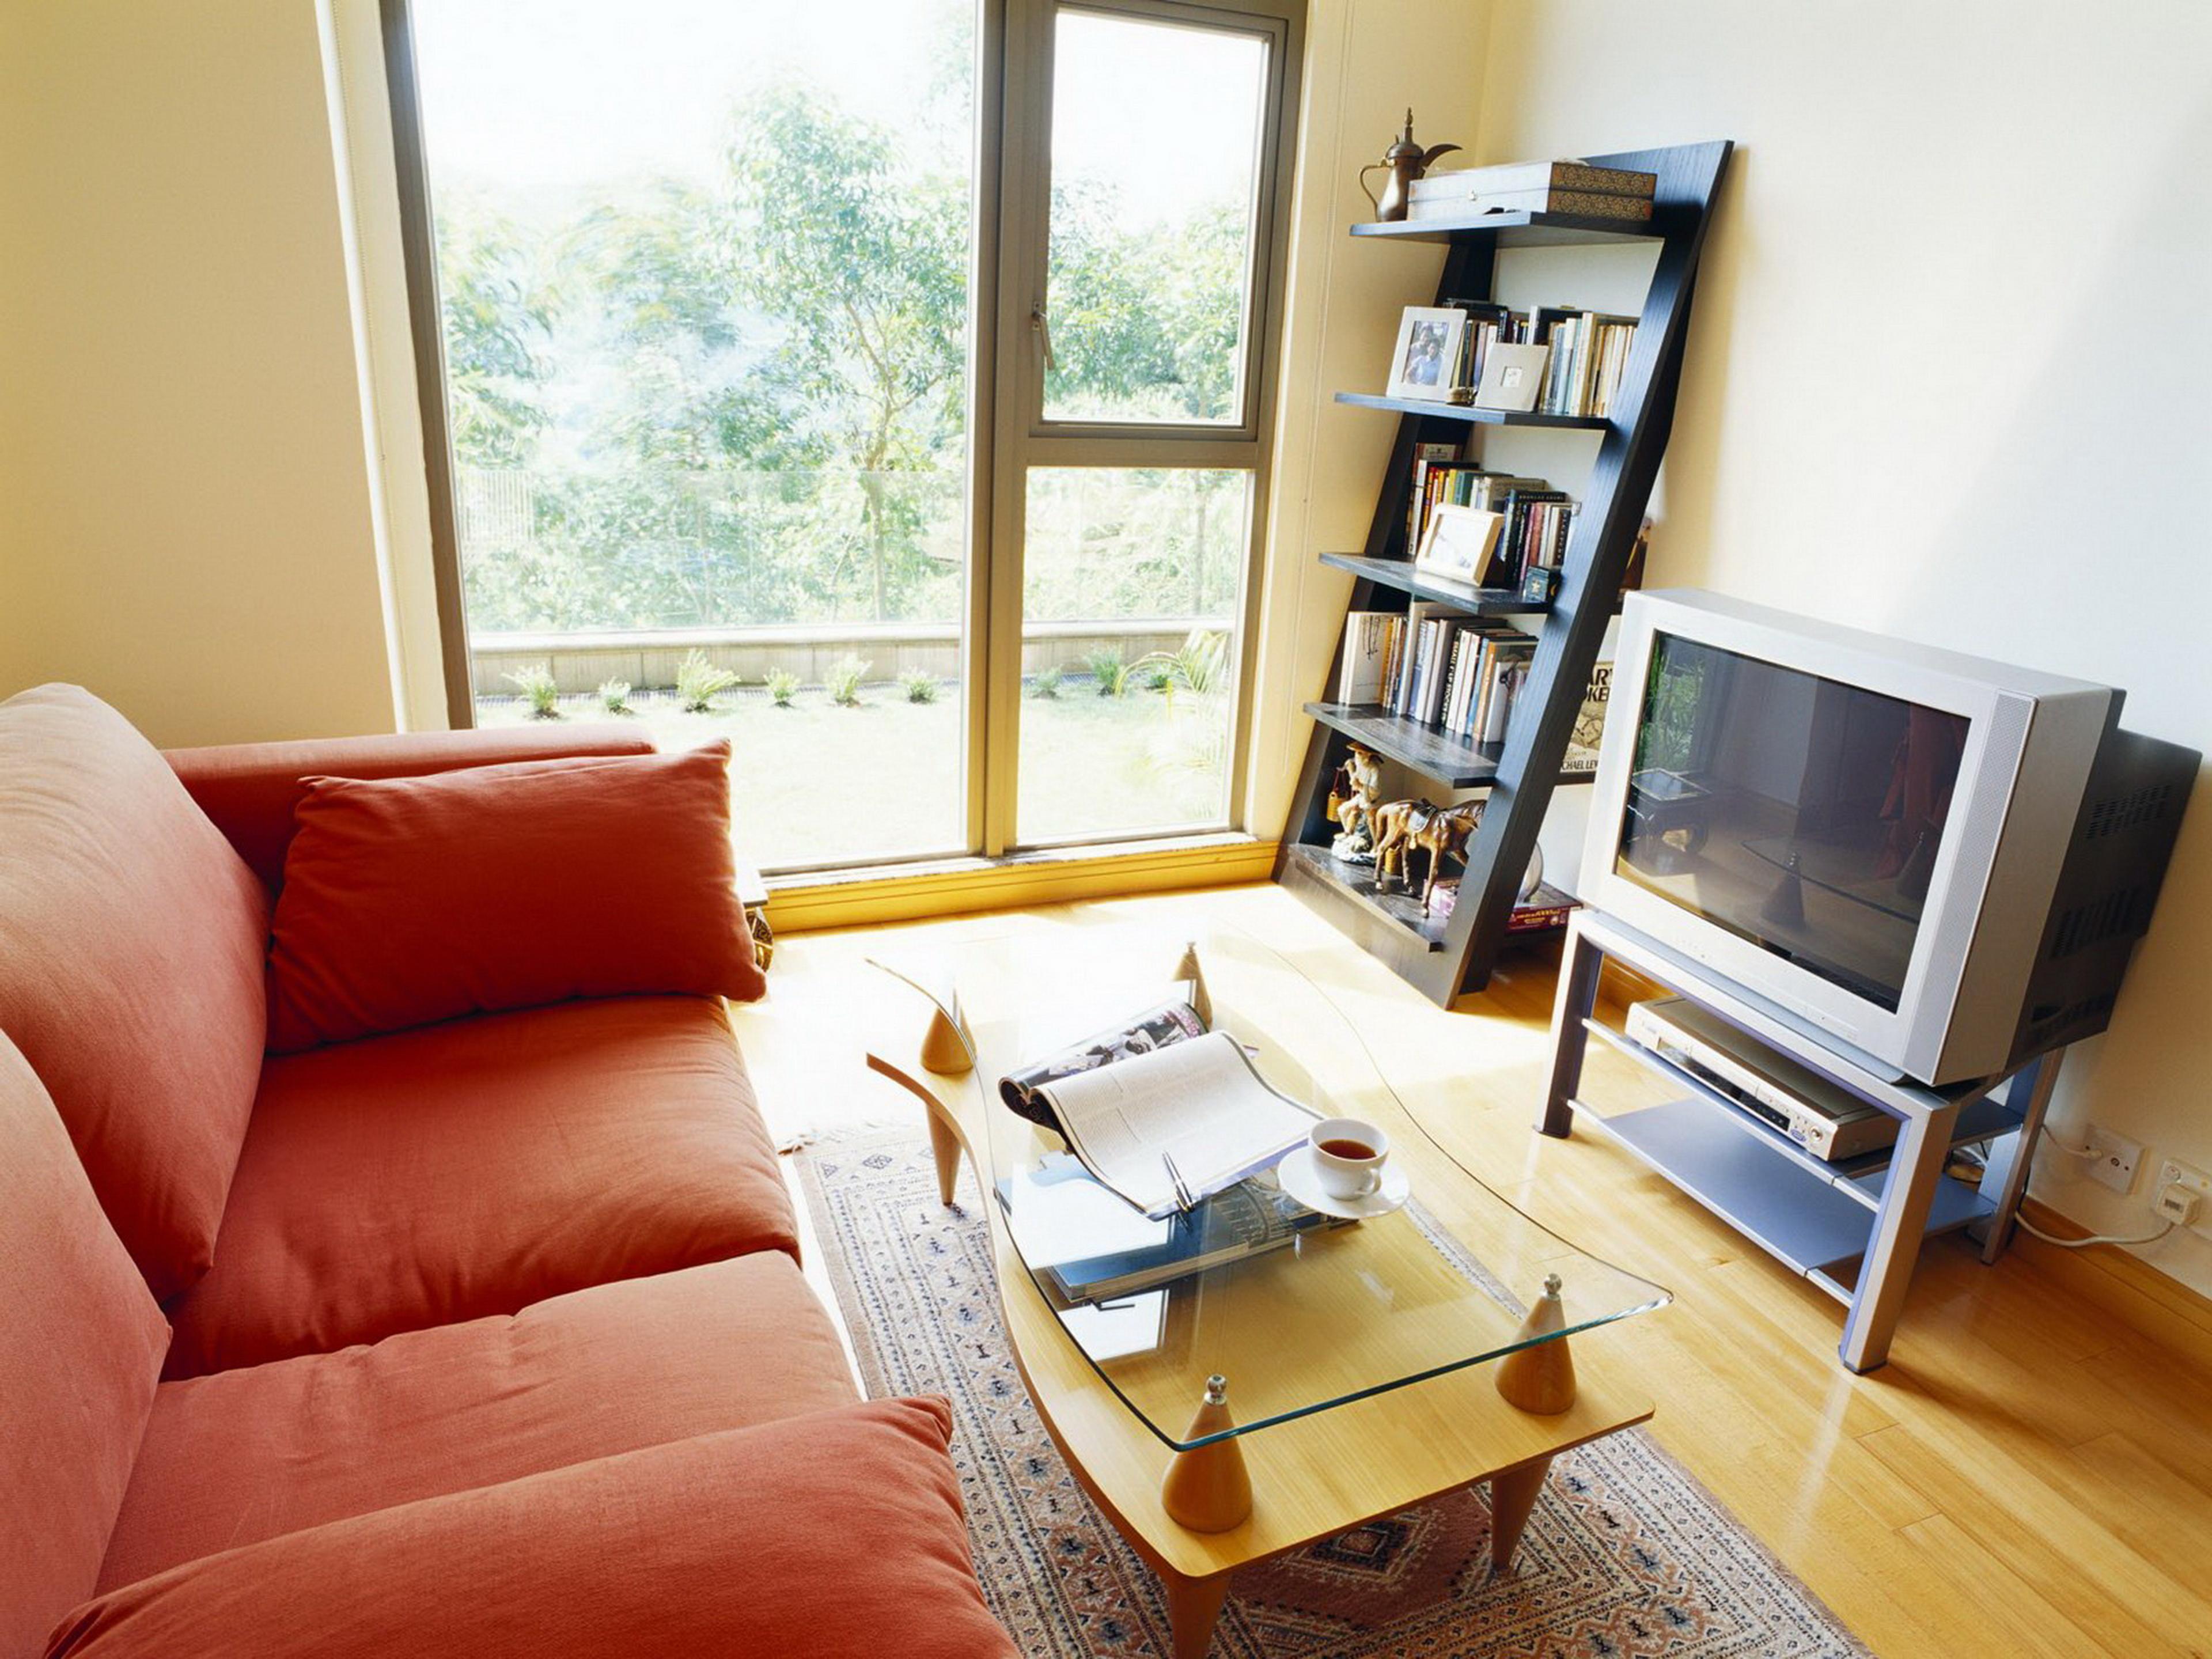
(1565, 187)
(1092, 1246)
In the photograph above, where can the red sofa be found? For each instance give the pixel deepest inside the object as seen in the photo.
(484, 1337)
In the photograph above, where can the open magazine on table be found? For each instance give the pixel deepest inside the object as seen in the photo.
(1162, 1110)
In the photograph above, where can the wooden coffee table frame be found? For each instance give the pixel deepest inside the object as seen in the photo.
(1314, 1477)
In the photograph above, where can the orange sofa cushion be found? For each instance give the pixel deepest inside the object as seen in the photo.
(131, 941)
(477, 1167)
(81, 1343)
(250, 790)
(243, 1455)
(410, 900)
(836, 1536)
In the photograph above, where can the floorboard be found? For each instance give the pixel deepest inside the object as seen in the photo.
(2031, 1473)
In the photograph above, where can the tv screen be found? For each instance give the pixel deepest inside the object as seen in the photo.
(1802, 814)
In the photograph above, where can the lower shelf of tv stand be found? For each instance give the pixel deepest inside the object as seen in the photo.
(1858, 1178)
(1794, 1214)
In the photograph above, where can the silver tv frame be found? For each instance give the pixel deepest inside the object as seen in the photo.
(2032, 745)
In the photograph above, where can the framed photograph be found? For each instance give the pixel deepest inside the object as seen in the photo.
(1512, 375)
(1426, 360)
(1458, 541)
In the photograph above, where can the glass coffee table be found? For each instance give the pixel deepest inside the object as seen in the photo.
(1359, 1362)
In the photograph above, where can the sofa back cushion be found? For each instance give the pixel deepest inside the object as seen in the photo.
(132, 952)
(411, 900)
(81, 1344)
(251, 790)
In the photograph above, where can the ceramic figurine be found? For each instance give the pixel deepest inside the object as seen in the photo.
(1354, 810)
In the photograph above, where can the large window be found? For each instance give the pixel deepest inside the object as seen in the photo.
(897, 413)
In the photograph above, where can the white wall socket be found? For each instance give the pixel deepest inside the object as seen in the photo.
(2172, 1172)
(2115, 1159)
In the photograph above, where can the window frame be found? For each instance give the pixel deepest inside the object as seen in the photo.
(1023, 438)
(1008, 433)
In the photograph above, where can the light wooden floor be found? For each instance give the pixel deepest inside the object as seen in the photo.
(2031, 1473)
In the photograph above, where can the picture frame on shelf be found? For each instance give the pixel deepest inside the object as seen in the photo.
(1512, 376)
(1457, 542)
(1425, 361)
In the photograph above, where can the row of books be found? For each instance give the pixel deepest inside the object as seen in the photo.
(1429, 663)
(1587, 351)
(1459, 673)
(1566, 187)
(1532, 541)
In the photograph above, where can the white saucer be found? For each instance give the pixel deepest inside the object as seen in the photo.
(1302, 1180)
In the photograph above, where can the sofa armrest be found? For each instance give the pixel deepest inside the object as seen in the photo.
(250, 789)
(836, 1534)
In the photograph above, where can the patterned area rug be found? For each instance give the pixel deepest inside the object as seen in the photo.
(1626, 1556)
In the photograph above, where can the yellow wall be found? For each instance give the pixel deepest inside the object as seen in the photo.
(1946, 378)
(1341, 322)
(185, 520)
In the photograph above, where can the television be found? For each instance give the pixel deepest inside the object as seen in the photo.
(1936, 863)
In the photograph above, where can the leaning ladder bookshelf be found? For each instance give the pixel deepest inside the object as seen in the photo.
(1445, 958)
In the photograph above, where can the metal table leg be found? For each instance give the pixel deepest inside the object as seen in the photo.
(1924, 1145)
(1580, 962)
(2029, 1089)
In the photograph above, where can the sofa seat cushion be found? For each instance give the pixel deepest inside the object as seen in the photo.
(231, 1459)
(836, 1535)
(475, 1168)
(81, 1343)
(132, 943)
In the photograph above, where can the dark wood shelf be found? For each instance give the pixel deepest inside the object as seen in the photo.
(1356, 882)
(1427, 584)
(1469, 414)
(1444, 958)
(1517, 230)
(1435, 754)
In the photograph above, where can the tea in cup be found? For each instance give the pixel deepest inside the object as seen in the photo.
(1348, 1155)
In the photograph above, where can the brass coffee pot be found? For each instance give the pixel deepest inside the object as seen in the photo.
(1405, 161)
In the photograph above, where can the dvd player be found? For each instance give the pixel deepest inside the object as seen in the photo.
(1825, 1119)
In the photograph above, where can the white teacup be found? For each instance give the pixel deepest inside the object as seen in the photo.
(1348, 1155)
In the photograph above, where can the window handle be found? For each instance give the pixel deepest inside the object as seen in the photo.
(1043, 327)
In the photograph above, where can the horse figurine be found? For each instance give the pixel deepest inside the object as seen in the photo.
(1442, 832)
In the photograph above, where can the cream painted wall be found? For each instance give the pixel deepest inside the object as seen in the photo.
(1945, 381)
(185, 512)
(1341, 322)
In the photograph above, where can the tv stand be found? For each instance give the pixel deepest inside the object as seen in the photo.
(1853, 1226)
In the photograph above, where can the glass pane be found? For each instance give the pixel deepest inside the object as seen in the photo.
(1799, 813)
(704, 270)
(1156, 134)
(1131, 585)
(1339, 1312)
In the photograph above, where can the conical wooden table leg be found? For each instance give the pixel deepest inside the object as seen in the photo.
(1513, 1494)
(1193, 1609)
(944, 1147)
